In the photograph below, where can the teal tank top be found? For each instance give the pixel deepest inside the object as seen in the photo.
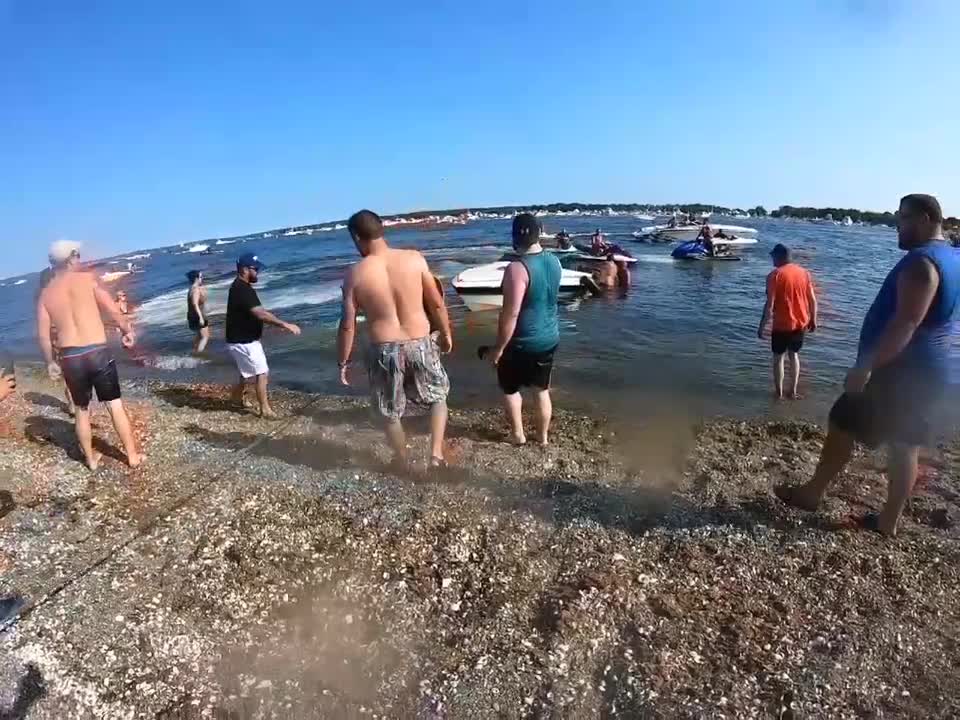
(538, 328)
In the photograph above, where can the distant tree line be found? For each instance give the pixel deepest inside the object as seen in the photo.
(865, 216)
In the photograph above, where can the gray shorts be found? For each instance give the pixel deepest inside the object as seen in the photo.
(402, 371)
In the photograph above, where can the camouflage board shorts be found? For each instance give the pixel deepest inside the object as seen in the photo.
(402, 371)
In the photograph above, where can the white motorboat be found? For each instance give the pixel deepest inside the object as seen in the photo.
(682, 233)
(480, 286)
(587, 257)
(198, 248)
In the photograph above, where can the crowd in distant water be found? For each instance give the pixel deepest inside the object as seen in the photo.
(894, 393)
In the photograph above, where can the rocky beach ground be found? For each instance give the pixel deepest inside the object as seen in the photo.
(256, 569)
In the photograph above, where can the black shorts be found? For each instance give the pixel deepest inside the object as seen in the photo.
(518, 369)
(195, 324)
(92, 370)
(891, 409)
(780, 341)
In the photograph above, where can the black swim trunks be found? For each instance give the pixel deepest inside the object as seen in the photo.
(893, 408)
(90, 368)
(518, 369)
(194, 323)
(781, 342)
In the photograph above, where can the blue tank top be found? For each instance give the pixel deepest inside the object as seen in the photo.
(929, 349)
(538, 329)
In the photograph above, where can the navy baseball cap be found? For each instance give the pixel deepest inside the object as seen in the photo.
(250, 260)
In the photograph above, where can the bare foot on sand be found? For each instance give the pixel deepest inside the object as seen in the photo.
(517, 440)
(545, 442)
(135, 461)
(797, 496)
(93, 462)
(794, 396)
(875, 523)
(269, 415)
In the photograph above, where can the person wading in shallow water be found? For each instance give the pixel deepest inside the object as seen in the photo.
(72, 302)
(793, 305)
(197, 319)
(400, 298)
(244, 326)
(894, 394)
(529, 329)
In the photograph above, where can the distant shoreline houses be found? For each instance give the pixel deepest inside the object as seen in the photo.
(440, 219)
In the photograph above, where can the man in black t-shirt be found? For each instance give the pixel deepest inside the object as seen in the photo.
(245, 319)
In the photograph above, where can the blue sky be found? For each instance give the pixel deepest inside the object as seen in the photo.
(128, 125)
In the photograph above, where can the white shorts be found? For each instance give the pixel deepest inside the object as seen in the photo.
(249, 358)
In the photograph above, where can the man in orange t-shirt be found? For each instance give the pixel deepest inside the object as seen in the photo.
(792, 304)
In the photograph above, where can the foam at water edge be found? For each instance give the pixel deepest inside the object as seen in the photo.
(174, 362)
(170, 309)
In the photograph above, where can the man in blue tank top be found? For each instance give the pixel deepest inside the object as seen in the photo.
(529, 330)
(894, 394)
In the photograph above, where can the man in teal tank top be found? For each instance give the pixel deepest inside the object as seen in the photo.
(895, 393)
(529, 330)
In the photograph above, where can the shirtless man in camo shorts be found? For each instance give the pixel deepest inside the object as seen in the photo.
(399, 297)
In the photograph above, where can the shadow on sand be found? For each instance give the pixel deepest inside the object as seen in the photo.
(187, 397)
(61, 433)
(42, 400)
(30, 689)
(633, 508)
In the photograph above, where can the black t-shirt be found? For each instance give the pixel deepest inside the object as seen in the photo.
(242, 325)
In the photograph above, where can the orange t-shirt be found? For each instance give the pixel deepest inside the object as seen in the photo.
(789, 287)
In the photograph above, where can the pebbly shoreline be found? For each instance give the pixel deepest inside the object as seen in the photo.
(255, 569)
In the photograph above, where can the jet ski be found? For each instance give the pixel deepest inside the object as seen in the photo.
(696, 250)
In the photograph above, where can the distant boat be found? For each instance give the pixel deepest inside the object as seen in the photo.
(20, 282)
(198, 248)
(848, 221)
(224, 242)
(141, 256)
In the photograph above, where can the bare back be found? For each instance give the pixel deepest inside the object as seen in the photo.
(70, 301)
(388, 288)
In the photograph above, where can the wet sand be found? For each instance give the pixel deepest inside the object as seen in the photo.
(279, 569)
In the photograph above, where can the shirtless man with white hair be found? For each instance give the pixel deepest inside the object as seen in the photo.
(72, 303)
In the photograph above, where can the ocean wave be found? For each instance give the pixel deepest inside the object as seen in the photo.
(174, 362)
(170, 308)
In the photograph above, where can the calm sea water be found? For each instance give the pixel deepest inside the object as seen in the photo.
(682, 340)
